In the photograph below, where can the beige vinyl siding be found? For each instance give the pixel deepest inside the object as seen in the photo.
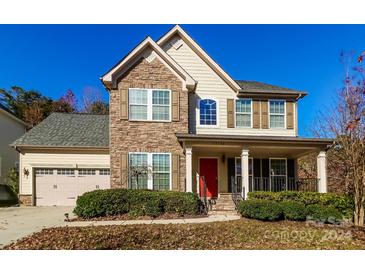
(11, 129)
(63, 159)
(210, 85)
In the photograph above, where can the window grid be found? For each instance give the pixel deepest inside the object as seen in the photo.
(160, 105)
(243, 113)
(138, 161)
(65, 172)
(104, 171)
(277, 114)
(278, 167)
(208, 112)
(149, 104)
(87, 171)
(138, 104)
(161, 171)
(44, 171)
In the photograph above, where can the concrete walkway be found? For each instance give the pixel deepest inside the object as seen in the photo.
(209, 219)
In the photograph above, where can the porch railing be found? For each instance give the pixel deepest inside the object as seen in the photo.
(282, 183)
(236, 187)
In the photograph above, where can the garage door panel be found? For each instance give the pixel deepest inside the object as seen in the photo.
(63, 186)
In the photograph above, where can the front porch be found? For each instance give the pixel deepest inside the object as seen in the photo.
(219, 164)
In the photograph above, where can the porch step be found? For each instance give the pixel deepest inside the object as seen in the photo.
(223, 212)
(224, 203)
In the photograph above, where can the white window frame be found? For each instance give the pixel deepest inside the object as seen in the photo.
(286, 170)
(276, 100)
(198, 113)
(150, 105)
(150, 167)
(235, 113)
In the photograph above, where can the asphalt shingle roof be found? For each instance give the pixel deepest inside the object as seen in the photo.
(254, 86)
(68, 130)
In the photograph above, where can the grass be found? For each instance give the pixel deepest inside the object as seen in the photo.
(240, 234)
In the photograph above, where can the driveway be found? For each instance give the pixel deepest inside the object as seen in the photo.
(17, 222)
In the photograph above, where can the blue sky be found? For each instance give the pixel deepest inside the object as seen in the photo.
(54, 58)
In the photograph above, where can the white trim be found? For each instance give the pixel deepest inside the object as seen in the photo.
(286, 171)
(109, 79)
(150, 105)
(201, 53)
(198, 113)
(150, 167)
(268, 106)
(235, 113)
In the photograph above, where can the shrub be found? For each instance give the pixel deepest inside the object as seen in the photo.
(264, 210)
(136, 203)
(343, 203)
(7, 196)
(325, 214)
(294, 211)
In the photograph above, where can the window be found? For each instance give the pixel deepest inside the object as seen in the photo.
(277, 113)
(104, 172)
(44, 171)
(65, 172)
(160, 105)
(278, 167)
(138, 171)
(87, 171)
(208, 112)
(149, 104)
(161, 171)
(243, 113)
(150, 171)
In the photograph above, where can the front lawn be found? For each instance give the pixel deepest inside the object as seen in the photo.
(240, 234)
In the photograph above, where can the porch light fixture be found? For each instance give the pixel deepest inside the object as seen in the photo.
(223, 158)
(26, 172)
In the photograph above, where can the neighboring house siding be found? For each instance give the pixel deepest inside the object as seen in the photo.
(63, 159)
(10, 130)
(210, 85)
(140, 136)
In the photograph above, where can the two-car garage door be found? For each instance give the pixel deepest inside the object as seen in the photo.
(62, 186)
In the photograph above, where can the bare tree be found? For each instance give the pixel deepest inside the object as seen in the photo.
(346, 124)
(137, 174)
(92, 102)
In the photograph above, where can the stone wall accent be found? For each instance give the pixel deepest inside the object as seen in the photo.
(26, 200)
(141, 136)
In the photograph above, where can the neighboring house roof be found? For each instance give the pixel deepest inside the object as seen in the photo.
(109, 79)
(177, 30)
(254, 86)
(68, 130)
(8, 112)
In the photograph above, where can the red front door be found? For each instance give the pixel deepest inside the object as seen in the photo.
(209, 169)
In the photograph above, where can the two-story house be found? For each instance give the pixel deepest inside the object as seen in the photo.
(176, 112)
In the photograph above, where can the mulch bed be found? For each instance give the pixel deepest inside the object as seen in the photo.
(240, 234)
(126, 217)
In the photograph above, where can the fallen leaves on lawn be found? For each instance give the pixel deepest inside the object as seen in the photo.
(240, 234)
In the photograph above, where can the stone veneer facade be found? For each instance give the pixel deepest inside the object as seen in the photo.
(139, 136)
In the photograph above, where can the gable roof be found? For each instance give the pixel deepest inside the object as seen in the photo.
(177, 30)
(109, 78)
(254, 86)
(68, 130)
(9, 113)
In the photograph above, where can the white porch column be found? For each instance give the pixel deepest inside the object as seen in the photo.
(322, 172)
(244, 172)
(189, 169)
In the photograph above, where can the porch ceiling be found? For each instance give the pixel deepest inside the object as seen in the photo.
(258, 146)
